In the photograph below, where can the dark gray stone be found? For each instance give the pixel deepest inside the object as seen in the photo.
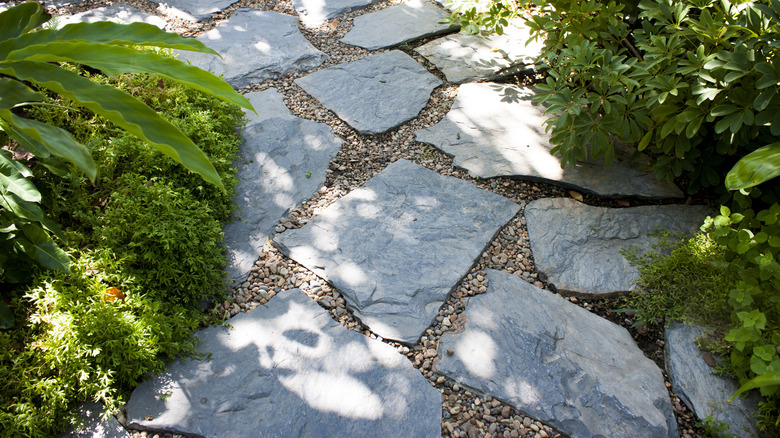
(118, 13)
(469, 58)
(194, 10)
(255, 46)
(92, 426)
(397, 246)
(578, 246)
(374, 94)
(315, 12)
(282, 163)
(288, 369)
(495, 130)
(558, 362)
(396, 25)
(703, 392)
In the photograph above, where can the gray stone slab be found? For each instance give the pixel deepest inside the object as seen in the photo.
(288, 369)
(118, 13)
(469, 58)
(255, 46)
(396, 247)
(578, 246)
(315, 12)
(396, 25)
(703, 392)
(93, 426)
(495, 130)
(282, 163)
(194, 10)
(269, 104)
(374, 94)
(558, 362)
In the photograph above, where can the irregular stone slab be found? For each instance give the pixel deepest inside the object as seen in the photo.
(255, 46)
(288, 369)
(282, 163)
(703, 392)
(315, 12)
(578, 246)
(396, 247)
(397, 25)
(558, 362)
(194, 10)
(495, 130)
(269, 104)
(118, 13)
(92, 426)
(374, 94)
(468, 58)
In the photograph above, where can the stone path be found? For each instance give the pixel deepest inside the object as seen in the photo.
(363, 304)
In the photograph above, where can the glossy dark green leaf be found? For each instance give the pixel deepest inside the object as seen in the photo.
(14, 92)
(43, 250)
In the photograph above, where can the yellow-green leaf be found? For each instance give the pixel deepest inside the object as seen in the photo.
(754, 168)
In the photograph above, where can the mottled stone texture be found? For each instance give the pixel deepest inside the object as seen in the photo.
(194, 10)
(397, 246)
(118, 13)
(578, 246)
(288, 369)
(495, 130)
(93, 426)
(558, 362)
(315, 12)
(703, 392)
(374, 94)
(255, 46)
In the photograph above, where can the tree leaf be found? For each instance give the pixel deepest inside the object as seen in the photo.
(12, 181)
(754, 168)
(15, 92)
(20, 19)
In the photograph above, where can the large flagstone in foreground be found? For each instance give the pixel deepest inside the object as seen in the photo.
(255, 46)
(118, 13)
(395, 25)
(396, 247)
(495, 130)
(315, 12)
(288, 369)
(281, 163)
(194, 10)
(558, 362)
(92, 425)
(374, 94)
(469, 58)
(578, 246)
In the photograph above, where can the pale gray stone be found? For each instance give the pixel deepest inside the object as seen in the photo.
(282, 163)
(396, 247)
(118, 13)
(703, 392)
(469, 58)
(269, 104)
(288, 369)
(194, 10)
(396, 25)
(255, 46)
(315, 12)
(578, 246)
(93, 426)
(495, 130)
(374, 94)
(558, 362)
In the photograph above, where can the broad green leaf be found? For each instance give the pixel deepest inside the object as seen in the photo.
(116, 60)
(120, 108)
(14, 92)
(20, 19)
(754, 168)
(645, 140)
(24, 141)
(763, 99)
(43, 250)
(20, 207)
(769, 379)
(12, 181)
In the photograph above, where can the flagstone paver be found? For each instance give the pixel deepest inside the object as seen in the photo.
(194, 10)
(374, 94)
(315, 12)
(578, 246)
(396, 25)
(288, 369)
(396, 247)
(495, 130)
(705, 393)
(118, 13)
(469, 58)
(254, 46)
(282, 163)
(560, 363)
(93, 426)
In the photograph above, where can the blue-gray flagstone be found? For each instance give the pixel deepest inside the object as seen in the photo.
(374, 94)
(396, 247)
(282, 162)
(118, 13)
(288, 369)
(255, 46)
(315, 12)
(558, 362)
(194, 10)
(92, 425)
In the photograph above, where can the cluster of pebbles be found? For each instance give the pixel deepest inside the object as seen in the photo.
(465, 413)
